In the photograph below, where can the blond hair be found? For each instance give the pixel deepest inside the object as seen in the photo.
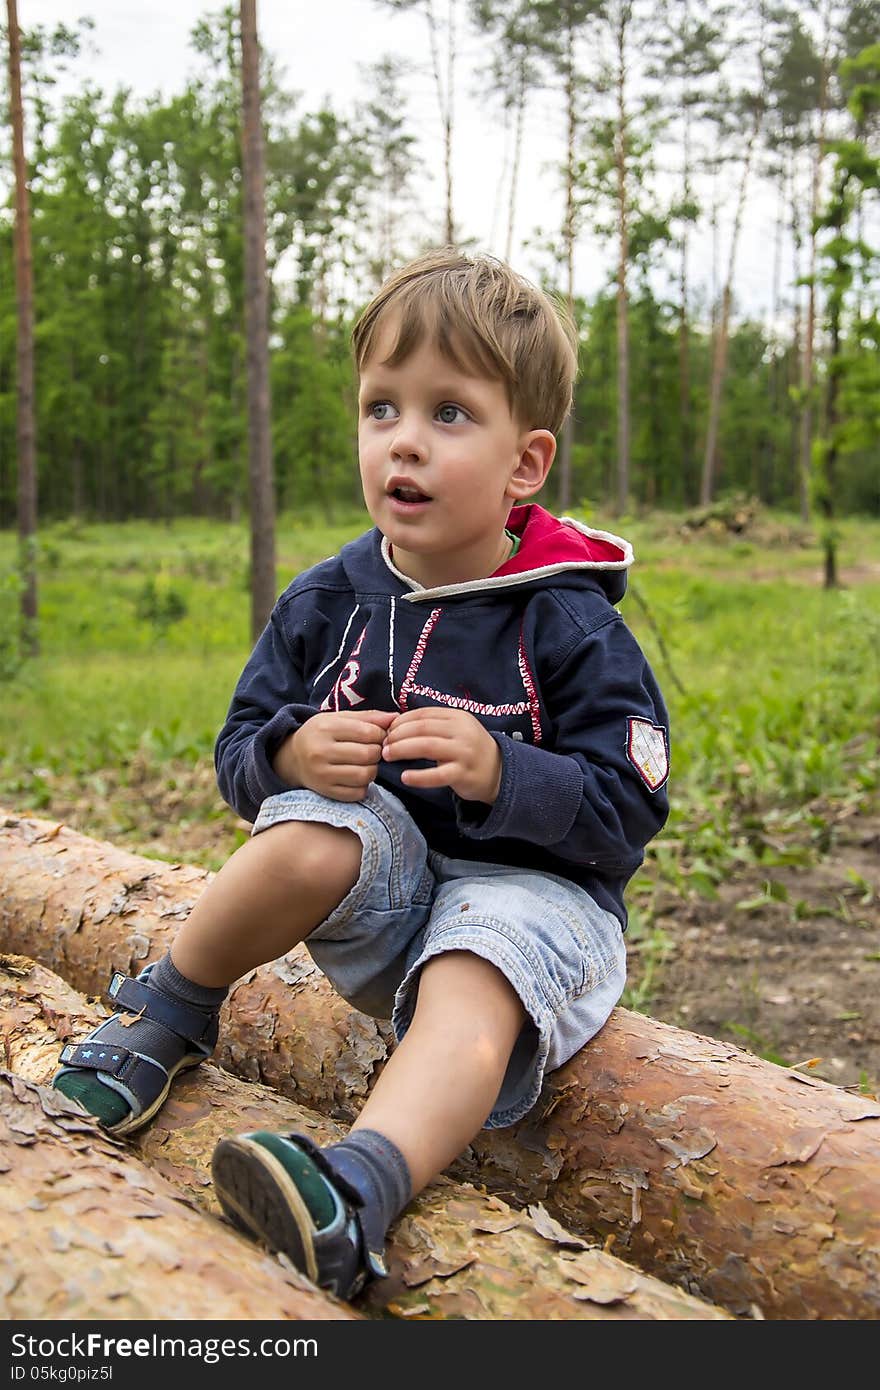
(482, 316)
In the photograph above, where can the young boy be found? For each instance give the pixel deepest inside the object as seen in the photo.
(453, 752)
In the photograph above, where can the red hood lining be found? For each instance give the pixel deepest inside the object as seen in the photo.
(545, 540)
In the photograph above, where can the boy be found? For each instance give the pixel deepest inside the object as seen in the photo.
(453, 752)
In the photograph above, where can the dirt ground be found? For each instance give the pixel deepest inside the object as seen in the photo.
(784, 963)
(794, 976)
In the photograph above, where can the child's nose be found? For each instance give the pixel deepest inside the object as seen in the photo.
(408, 440)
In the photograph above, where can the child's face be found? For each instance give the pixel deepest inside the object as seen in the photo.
(442, 460)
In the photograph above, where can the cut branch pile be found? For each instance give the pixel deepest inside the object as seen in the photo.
(753, 1186)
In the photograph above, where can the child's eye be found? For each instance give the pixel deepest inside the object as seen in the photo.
(381, 410)
(451, 414)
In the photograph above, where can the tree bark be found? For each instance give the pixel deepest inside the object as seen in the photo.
(566, 434)
(621, 154)
(719, 361)
(455, 1253)
(24, 289)
(808, 382)
(256, 316)
(747, 1183)
(89, 1232)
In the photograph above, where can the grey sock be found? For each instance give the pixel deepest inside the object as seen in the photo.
(377, 1169)
(167, 977)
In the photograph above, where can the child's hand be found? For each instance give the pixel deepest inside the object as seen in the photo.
(468, 758)
(335, 753)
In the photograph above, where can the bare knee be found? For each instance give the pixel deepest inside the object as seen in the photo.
(307, 855)
(466, 993)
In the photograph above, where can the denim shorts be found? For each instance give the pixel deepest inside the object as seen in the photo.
(563, 954)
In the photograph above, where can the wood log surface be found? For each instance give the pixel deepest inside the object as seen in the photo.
(751, 1185)
(87, 1231)
(456, 1252)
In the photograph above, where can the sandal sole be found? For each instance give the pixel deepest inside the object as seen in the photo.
(261, 1199)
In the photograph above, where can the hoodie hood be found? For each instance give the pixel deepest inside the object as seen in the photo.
(549, 546)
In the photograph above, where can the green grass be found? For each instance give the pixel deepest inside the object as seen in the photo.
(772, 682)
(143, 633)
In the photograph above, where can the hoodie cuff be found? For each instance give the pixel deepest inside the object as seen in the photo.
(538, 799)
(260, 776)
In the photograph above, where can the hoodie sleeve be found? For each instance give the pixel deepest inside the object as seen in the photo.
(599, 795)
(269, 702)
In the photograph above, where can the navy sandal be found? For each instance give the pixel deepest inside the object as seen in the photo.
(122, 1072)
(285, 1191)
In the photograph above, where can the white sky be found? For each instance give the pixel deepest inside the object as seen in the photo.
(323, 48)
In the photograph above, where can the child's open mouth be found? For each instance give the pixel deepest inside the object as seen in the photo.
(408, 498)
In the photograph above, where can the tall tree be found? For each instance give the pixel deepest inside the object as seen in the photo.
(442, 35)
(256, 308)
(24, 282)
(616, 180)
(797, 92)
(856, 170)
(743, 121)
(806, 392)
(690, 51)
(389, 150)
(517, 29)
(566, 23)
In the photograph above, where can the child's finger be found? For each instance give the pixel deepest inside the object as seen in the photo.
(419, 746)
(439, 776)
(353, 755)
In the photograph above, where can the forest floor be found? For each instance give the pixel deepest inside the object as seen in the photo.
(783, 963)
(788, 967)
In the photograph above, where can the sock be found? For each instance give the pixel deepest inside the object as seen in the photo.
(376, 1169)
(167, 977)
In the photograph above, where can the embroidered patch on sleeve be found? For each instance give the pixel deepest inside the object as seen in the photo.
(647, 750)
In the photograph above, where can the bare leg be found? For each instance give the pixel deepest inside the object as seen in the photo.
(441, 1083)
(273, 891)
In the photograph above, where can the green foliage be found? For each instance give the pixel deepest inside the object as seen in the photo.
(137, 250)
(160, 603)
(11, 656)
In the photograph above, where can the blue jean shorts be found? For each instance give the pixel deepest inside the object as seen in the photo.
(563, 954)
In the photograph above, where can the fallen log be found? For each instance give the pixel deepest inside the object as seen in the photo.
(87, 1231)
(456, 1252)
(749, 1184)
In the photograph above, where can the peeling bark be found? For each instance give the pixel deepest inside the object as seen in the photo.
(456, 1253)
(746, 1183)
(89, 1232)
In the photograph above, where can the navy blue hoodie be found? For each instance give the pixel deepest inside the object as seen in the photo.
(537, 653)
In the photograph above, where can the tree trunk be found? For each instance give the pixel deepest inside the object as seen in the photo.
(719, 365)
(89, 1232)
(256, 315)
(684, 351)
(445, 93)
(24, 288)
(746, 1182)
(456, 1251)
(807, 391)
(521, 93)
(566, 434)
(620, 158)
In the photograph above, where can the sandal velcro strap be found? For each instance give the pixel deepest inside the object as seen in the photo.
(137, 997)
(370, 1227)
(97, 1058)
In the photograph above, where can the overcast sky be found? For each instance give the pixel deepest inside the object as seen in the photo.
(324, 48)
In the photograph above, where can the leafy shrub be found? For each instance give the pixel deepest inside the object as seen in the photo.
(160, 603)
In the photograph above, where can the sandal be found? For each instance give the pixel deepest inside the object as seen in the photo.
(122, 1071)
(288, 1193)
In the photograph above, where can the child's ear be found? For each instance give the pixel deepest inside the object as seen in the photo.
(537, 451)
